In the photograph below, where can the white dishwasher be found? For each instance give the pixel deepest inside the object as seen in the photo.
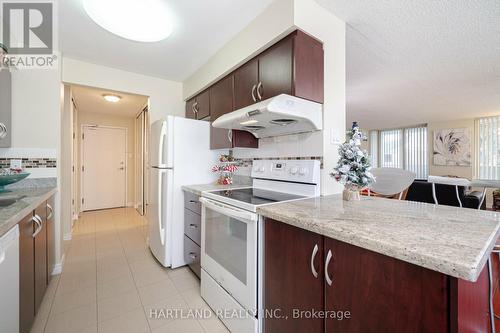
(9, 281)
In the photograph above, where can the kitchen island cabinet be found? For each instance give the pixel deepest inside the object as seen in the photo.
(384, 266)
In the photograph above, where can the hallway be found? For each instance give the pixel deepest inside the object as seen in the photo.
(111, 282)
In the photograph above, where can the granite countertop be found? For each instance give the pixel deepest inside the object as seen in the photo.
(198, 189)
(450, 240)
(31, 198)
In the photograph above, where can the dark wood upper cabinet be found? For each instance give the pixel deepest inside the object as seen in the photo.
(190, 111)
(293, 66)
(41, 257)
(246, 79)
(26, 274)
(198, 107)
(203, 105)
(221, 102)
(293, 277)
(276, 70)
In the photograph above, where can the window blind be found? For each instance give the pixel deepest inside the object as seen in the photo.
(488, 148)
(374, 148)
(391, 155)
(416, 151)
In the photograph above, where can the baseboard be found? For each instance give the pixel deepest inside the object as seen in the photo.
(67, 237)
(58, 267)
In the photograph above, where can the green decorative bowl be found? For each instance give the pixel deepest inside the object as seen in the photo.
(11, 179)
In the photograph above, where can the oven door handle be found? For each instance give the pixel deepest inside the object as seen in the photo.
(229, 211)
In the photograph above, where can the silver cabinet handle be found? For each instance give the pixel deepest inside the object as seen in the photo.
(259, 94)
(327, 263)
(51, 212)
(192, 109)
(253, 93)
(230, 136)
(3, 131)
(313, 256)
(38, 221)
(196, 107)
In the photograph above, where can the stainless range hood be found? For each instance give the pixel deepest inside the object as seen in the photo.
(280, 115)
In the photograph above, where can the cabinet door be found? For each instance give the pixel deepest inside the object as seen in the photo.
(26, 274)
(382, 294)
(41, 258)
(190, 112)
(289, 282)
(203, 105)
(221, 102)
(245, 80)
(51, 245)
(276, 70)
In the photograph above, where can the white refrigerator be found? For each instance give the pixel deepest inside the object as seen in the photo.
(179, 155)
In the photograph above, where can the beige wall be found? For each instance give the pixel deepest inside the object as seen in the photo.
(437, 170)
(101, 119)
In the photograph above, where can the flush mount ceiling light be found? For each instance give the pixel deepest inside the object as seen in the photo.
(112, 98)
(137, 20)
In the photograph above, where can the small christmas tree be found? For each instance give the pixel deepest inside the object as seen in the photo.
(353, 168)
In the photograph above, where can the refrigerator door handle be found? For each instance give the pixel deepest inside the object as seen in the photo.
(163, 134)
(160, 207)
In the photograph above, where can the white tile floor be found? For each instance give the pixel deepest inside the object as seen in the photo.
(110, 283)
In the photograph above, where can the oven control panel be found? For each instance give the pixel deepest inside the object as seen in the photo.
(302, 171)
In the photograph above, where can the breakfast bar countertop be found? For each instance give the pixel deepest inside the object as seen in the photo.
(450, 240)
(199, 189)
(30, 199)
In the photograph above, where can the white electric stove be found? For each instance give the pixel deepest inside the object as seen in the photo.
(232, 237)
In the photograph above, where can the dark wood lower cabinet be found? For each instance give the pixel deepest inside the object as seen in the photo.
(26, 274)
(41, 257)
(290, 284)
(51, 245)
(362, 291)
(382, 294)
(36, 261)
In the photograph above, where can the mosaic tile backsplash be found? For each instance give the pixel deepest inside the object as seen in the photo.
(30, 163)
(248, 162)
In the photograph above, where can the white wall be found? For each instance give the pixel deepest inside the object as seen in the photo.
(280, 18)
(165, 96)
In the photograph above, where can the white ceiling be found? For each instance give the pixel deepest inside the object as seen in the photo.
(91, 100)
(418, 61)
(200, 29)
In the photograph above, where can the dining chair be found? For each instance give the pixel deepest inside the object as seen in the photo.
(457, 182)
(391, 182)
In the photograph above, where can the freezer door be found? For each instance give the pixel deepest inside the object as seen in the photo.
(161, 152)
(160, 215)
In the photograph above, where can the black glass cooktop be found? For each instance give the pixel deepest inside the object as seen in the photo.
(257, 196)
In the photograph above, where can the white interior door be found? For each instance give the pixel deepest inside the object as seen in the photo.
(104, 167)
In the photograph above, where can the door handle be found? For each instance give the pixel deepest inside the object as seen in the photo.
(39, 228)
(193, 255)
(122, 168)
(193, 226)
(313, 256)
(329, 257)
(259, 94)
(253, 93)
(51, 212)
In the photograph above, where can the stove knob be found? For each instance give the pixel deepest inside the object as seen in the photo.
(294, 170)
(302, 171)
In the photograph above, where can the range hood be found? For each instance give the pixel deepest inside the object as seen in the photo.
(280, 115)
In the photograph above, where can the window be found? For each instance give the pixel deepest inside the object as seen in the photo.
(404, 148)
(488, 148)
